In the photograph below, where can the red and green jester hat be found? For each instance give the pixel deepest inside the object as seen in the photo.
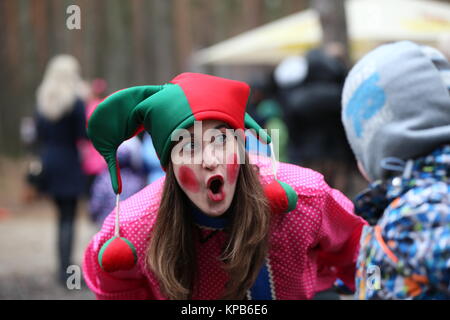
(161, 110)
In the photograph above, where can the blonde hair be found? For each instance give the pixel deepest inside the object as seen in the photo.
(171, 253)
(60, 87)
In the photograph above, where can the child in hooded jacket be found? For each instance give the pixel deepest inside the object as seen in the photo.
(396, 113)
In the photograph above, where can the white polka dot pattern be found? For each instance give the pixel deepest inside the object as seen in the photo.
(309, 246)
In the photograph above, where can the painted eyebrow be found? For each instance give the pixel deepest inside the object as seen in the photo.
(222, 126)
(218, 127)
(183, 138)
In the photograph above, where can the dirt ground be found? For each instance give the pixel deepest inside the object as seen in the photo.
(28, 261)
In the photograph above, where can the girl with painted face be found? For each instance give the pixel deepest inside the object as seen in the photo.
(221, 224)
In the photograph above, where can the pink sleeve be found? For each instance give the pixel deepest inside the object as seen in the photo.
(120, 285)
(338, 238)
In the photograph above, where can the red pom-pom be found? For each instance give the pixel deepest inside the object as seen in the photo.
(278, 200)
(117, 254)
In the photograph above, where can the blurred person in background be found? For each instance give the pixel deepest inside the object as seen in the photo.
(310, 89)
(92, 162)
(31, 187)
(396, 113)
(60, 122)
(444, 45)
(267, 111)
(102, 201)
(152, 166)
(310, 92)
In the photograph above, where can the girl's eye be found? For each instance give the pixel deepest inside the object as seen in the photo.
(220, 139)
(190, 147)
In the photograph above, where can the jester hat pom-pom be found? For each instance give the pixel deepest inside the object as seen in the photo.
(281, 196)
(117, 254)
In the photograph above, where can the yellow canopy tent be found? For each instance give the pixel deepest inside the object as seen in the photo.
(369, 23)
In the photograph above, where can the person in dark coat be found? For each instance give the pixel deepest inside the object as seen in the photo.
(60, 122)
(310, 93)
(102, 201)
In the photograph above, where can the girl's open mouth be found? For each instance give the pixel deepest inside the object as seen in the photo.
(215, 188)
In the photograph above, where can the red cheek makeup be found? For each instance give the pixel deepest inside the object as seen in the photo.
(232, 169)
(188, 179)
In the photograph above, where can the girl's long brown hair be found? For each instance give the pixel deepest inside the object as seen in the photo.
(171, 253)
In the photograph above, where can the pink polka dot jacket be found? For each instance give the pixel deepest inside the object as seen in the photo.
(310, 246)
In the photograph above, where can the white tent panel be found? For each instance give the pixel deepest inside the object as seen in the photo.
(369, 22)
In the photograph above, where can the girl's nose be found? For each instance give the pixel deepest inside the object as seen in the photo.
(209, 160)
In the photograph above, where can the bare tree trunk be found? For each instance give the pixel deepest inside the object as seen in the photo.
(88, 32)
(299, 5)
(39, 19)
(58, 41)
(10, 77)
(334, 23)
(117, 56)
(138, 29)
(10, 18)
(252, 14)
(163, 45)
(182, 34)
(100, 39)
(76, 43)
